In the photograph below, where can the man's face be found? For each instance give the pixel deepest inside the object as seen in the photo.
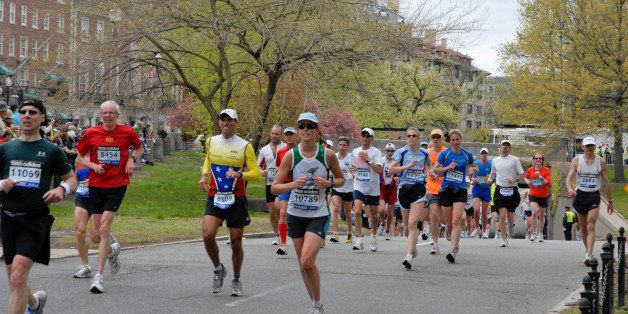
(589, 148)
(275, 135)
(366, 138)
(505, 149)
(412, 137)
(31, 118)
(291, 138)
(342, 146)
(227, 125)
(109, 115)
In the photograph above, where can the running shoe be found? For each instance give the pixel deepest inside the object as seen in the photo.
(475, 232)
(281, 250)
(423, 236)
(41, 297)
(84, 272)
(532, 237)
(318, 310)
(387, 236)
(373, 245)
(380, 230)
(414, 252)
(435, 250)
(114, 261)
(511, 230)
(451, 257)
(485, 235)
(276, 240)
(503, 243)
(349, 238)
(322, 243)
(358, 244)
(448, 238)
(236, 288)
(540, 238)
(407, 262)
(97, 286)
(463, 234)
(334, 238)
(219, 278)
(587, 259)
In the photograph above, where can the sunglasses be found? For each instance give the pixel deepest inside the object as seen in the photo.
(366, 135)
(412, 135)
(31, 112)
(226, 119)
(484, 153)
(390, 150)
(309, 126)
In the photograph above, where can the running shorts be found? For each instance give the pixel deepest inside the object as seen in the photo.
(451, 195)
(344, 196)
(542, 201)
(298, 226)
(371, 200)
(410, 194)
(237, 215)
(270, 197)
(26, 234)
(510, 201)
(106, 199)
(481, 193)
(388, 193)
(586, 201)
(85, 203)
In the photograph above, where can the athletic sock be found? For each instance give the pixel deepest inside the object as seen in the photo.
(283, 232)
(219, 268)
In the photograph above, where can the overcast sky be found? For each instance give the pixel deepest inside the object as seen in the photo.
(500, 25)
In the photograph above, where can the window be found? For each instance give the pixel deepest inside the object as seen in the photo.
(99, 73)
(85, 29)
(46, 52)
(60, 23)
(35, 17)
(23, 47)
(11, 46)
(478, 125)
(469, 124)
(100, 30)
(22, 78)
(47, 21)
(24, 16)
(1, 10)
(34, 48)
(1, 44)
(60, 53)
(12, 13)
(478, 109)
(469, 109)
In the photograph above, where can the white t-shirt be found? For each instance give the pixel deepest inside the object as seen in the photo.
(365, 179)
(266, 161)
(505, 168)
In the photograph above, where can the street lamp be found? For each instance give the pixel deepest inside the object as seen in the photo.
(8, 82)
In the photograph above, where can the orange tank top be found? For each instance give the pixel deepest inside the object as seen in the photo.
(433, 185)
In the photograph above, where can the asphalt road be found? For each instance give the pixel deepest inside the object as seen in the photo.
(522, 278)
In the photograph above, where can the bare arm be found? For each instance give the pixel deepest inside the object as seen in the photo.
(570, 177)
(279, 187)
(607, 186)
(57, 194)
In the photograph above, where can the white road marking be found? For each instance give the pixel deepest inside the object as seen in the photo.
(262, 294)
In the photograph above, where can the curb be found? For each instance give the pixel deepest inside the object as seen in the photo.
(568, 303)
(221, 238)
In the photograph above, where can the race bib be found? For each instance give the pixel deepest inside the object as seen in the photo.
(387, 178)
(481, 180)
(415, 175)
(271, 174)
(363, 175)
(109, 155)
(506, 191)
(305, 199)
(28, 174)
(82, 190)
(587, 181)
(537, 182)
(224, 200)
(454, 176)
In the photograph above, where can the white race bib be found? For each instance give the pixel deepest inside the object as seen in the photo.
(363, 175)
(270, 176)
(506, 191)
(224, 200)
(587, 181)
(109, 155)
(415, 175)
(454, 176)
(305, 199)
(27, 177)
(481, 180)
(82, 189)
(537, 182)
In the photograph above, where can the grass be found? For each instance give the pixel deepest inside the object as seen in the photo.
(620, 193)
(162, 204)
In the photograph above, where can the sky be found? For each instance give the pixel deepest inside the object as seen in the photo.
(500, 22)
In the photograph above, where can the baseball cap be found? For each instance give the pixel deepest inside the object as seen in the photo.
(504, 142)
(230, 113)
(588, 141)
(390, 145)
(330, 143)
(369, 131)
(37, 104)
(424, 143)
(308, 116)
(436, 132)
(289, 130)
(484, 149)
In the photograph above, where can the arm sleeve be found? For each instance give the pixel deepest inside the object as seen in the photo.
(61, 164)
(83, 145)
(253, 172)
(207, 161)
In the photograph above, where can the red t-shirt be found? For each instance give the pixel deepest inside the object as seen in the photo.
(537, 188)
(111, 150)
(280, 153)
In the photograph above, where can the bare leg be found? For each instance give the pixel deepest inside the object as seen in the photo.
(81, 217)
(307, 249)
(17, 273)
(435, 221)
(357, 209)
(104, 247)
(237, 254)
(210, 228)
(273, 215)
(457, 212)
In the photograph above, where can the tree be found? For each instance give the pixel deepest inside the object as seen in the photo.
(568, 67)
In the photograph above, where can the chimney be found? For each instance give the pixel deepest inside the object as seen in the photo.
(430, 36)
(443, 43)
(393, 5)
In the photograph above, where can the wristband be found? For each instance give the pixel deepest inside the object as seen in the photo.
(66, 188)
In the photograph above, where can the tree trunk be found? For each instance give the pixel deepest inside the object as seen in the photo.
(273, 80)
(618, 150)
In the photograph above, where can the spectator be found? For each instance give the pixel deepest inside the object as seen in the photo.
(568, 220)
(6, 136)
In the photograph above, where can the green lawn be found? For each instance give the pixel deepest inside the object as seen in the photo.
(620, 194)
(163, 203)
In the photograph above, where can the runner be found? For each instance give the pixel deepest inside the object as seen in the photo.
(455, 164)
(266, 161)
(539, 178)
(108, 145)
(588, 170)
(481, 193)
(412, 162)
(434, 182)
(366, 186)
(343, 196)
(494, 217)
(224, 181)
(308, 165)
(468, 219)
(387, 193)
(526, 215)
(28, 165)
(290, 135)
(505, 172)
(82, 214)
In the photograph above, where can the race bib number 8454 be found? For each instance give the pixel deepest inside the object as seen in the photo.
(109, 155)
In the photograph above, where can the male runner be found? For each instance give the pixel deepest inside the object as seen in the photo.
(589, 171)
(28, 165)
(434, 182)
(387, 194)
(481, 193)
(111, 167)
(82, 213)
(539, 178)
(290, 134)
(367, 168)
(506, 171)
(224, 181)
(342, 197)
(266, 161)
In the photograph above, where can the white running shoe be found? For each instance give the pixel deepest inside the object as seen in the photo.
(84, 272)
(435, 250)
(276, 240)
(380, 230)
(219, 278)
(533, 237)
(587, 259)
(318, 310)
(114, 261)
(475, 233)
(236, 288)
(503, 243)
(407, 262)
(41, 297)
(358, 244)
(485, 235)
(387, 236)
(97, 286)
(540, 238)
(373, 245)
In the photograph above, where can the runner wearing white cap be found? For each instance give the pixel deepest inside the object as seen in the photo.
(387, 193)
(481, 193)
(266, 161)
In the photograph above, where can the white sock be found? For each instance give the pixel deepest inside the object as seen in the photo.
(219, 268)
(408, 257)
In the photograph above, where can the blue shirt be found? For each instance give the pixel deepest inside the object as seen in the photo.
(415, 174)
(455, 177)
(82, 190)
(482, 174)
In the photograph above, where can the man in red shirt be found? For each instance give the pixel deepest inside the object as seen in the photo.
(111, 167)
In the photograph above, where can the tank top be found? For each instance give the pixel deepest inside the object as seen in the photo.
(433, 185)
(345, 163)
(588, 176)
(308, 201)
